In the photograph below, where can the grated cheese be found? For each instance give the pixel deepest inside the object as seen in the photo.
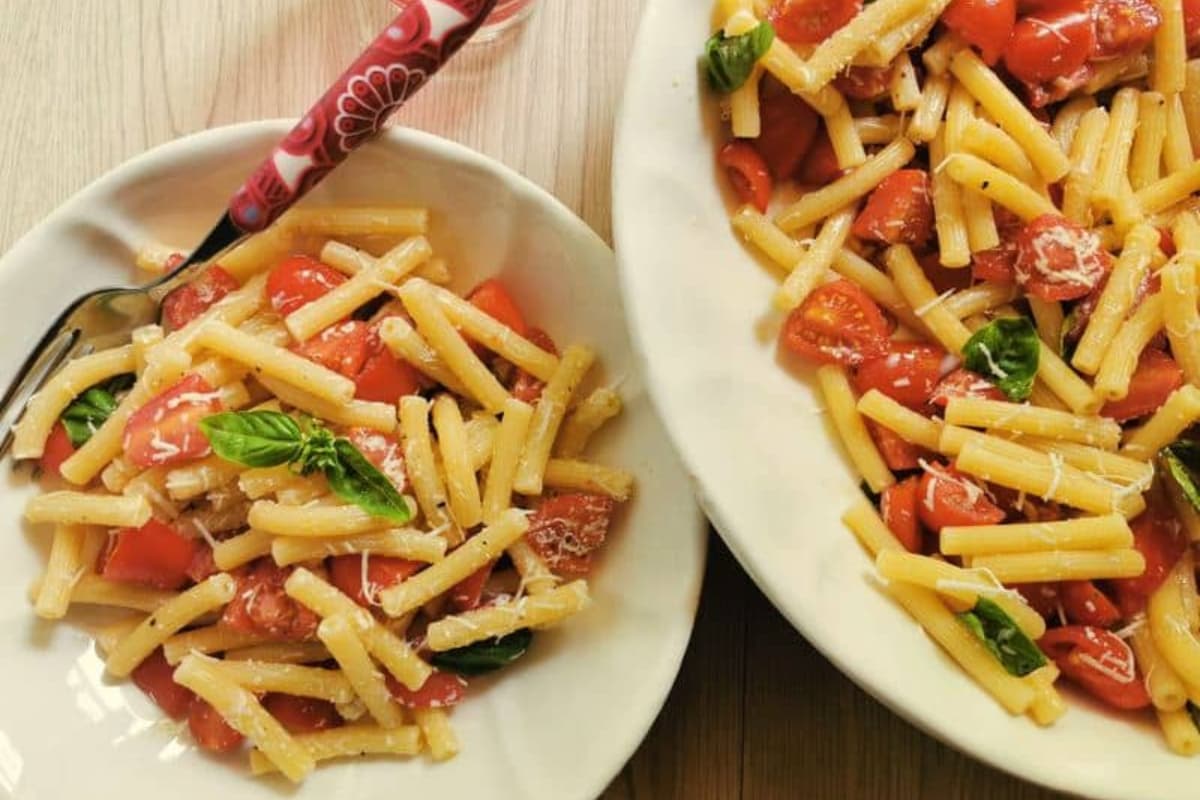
(925, 308)
(1056, 464)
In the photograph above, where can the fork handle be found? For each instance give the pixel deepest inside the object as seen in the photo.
(400, 61)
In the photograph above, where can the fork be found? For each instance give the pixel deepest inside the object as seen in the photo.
(394, 66)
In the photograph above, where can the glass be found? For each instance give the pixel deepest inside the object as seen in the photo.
(505, 16)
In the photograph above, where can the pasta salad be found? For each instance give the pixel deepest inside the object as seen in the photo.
(324, 494)
(983, 218)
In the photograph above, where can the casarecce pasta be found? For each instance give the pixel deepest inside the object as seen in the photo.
(322, 495)
(989, 243)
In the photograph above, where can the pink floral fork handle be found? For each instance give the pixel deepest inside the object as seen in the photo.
(398, 63)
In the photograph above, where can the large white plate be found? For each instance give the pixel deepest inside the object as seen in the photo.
(557, 725)
(767, 469)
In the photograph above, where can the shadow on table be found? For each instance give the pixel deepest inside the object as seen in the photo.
(758, 714)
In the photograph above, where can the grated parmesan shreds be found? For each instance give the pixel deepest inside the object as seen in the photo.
(925, 308)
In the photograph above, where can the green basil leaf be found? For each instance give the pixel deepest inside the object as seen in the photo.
(1008, 643)
(1006, 351)
(355, 479)
(1182, 460)
(89, 410)
(731, 59)
(254, 438)
(319, 453)
(486, 656)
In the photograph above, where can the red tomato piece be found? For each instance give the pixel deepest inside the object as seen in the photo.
(837, 324)
(947, 497)
(1166, 242)
(998, 264)
(493, 299)
(1191, 25)
(864, 83)
(1052, 43)
(382, 450)
(899, 210)
(262, 606)
(202, 565)
(898, 507)
(526, 387)
(346, 573)
(964, 383)
(1058, 259)
(467, 593)
(788, 127)
(383, 377)
(898, 454)
(567, 529)
(156, 678)
(1124, 27)
(440, 690)
(748, 173)
(167, 429)
(1041, 95)
(191, 300)
(154, 555)
(297, 281)
(820, 164)
(209, 728)
(1085, 604)
(943, 278)
(986, 24)
(1157, 375)
(811, 21)
(1158, 537)
(1042, 597)
(1099, 661)
(58, 449)
(342, 347)
(908, 372)
(302, 714)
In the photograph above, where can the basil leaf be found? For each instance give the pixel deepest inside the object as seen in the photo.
(254, 438)
(1181, 458)
(1007, 351)
(731, 59)
(352, 477)
(87, 413)
(318, 453)
(90, 410)
(486, 656)
(1008, 643)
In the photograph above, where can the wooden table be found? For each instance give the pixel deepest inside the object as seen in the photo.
(756, 713)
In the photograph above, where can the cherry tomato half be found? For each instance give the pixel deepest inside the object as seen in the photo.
(748, 173)
(1052, 43)
(836, 324)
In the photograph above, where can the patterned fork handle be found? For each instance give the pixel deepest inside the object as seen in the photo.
(398, 63)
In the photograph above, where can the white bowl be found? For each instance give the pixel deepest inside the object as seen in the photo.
(768, 470)
(560, 723)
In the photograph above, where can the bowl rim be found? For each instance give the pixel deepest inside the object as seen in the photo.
(183, 147)
(752, 558)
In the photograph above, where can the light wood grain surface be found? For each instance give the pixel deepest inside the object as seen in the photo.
(756, 712)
